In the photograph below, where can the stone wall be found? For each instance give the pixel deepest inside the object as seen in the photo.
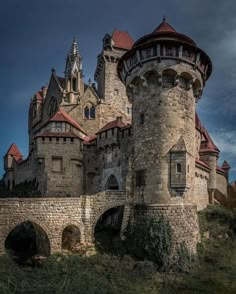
(54, 214)
(201, 191)
(182, 218)
(221, 183)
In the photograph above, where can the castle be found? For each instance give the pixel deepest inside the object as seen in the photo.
(136, 131)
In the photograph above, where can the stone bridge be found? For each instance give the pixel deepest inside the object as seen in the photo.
(53, 215)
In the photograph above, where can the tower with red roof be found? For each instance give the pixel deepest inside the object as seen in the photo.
(164, 73)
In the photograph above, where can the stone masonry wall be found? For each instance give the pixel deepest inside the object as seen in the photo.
(53, 215)
(182, 218)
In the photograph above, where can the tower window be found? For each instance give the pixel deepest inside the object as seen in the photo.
(74, 84)
(178, 168)
(140, 178)
(142, 118)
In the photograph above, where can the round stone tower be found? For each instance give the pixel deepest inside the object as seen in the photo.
(164, 74)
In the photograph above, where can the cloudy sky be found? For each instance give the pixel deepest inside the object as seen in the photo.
(36, 36)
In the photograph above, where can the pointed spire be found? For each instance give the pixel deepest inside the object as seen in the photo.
(164, 27)
(74, 51)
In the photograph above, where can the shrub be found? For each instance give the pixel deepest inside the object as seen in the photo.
(151, 239)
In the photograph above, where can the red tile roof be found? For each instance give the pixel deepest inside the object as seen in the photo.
(218, 168)
(122, 40)
(202, 163)
(164, 27)
(225, 166)
(208, 145)
(89, 139)
(118, 123)
(64, 116)
(15, 152)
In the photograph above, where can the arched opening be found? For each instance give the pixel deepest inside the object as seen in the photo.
(26, 241)
(107, 230)
(71, 238)
(112, 183)
(168, 77)
(92, 112)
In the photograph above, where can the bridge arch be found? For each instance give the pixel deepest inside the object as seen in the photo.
(25, 240)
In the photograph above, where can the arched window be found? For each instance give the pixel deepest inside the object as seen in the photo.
(86, 112)
(112, 183)
(92, 112)
(89, 112)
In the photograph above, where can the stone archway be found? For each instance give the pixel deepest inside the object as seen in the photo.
(26, 240)
(71, 238)
(107, 229)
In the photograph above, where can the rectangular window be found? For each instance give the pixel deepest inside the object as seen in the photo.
(140, 178)
(57, 164)
(178, 168)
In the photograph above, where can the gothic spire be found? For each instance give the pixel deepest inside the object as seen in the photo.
(74, 51)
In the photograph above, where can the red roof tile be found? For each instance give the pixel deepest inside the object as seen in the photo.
(202, 163)
(208, 145)
(122, 40)
(164, 27)
(64, 116)
(225, 166)
(218, 168)
(118, 123)
(15, 152)
(89, 139)
(39, 96)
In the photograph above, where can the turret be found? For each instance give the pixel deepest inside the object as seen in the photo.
(74, 74)
(164, 74)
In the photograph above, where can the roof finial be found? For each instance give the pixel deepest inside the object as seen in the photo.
(164, 18)
(74, 51)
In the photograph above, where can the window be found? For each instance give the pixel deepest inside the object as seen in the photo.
(74, 84)
(57, 164)
(149, 53)
(89, 112)
(92, 112)
(140, 178)
(86, 112)
(142, 119)
(112, 183)
(169, 51)
(178, 168)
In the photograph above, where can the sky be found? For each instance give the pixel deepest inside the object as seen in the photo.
(37, 35)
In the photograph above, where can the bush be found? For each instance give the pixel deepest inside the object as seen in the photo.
(151, 239)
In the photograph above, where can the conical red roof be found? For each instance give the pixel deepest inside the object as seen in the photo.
(164, 27)
(15, 152)
(225, 165)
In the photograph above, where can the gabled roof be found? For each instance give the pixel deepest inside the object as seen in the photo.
(61, 81)
(202, 163)
(64, 116)
(122, 40)
(15, 152)
(118, 123)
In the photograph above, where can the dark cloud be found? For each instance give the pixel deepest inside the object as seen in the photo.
(36, 35)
